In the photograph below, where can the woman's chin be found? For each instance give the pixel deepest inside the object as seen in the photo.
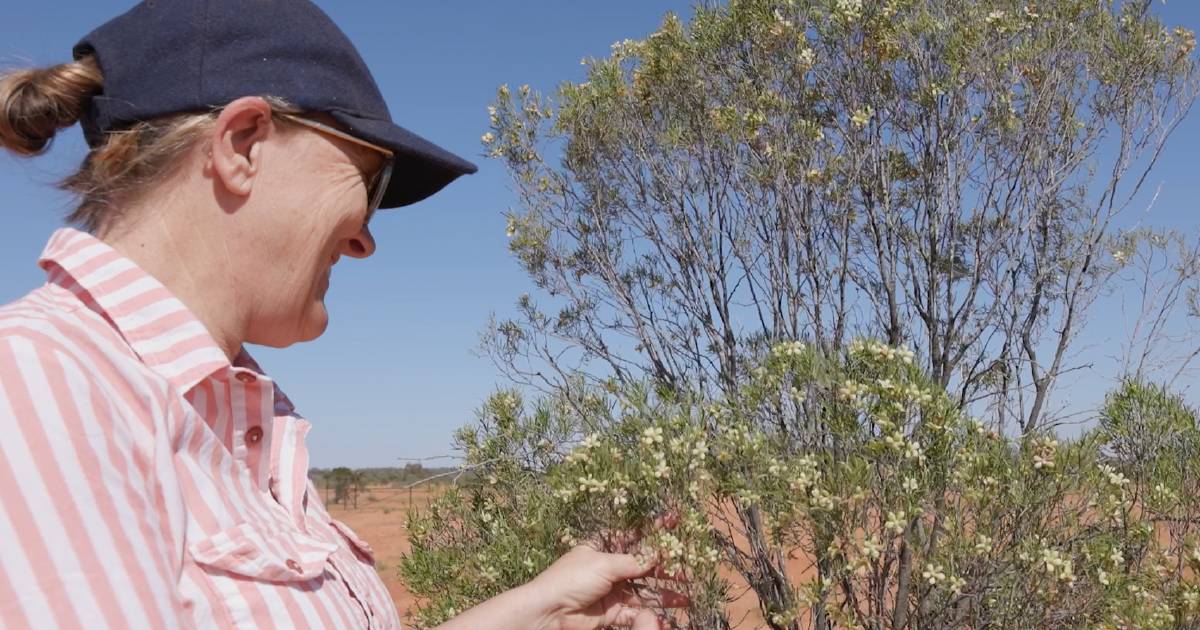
(316, 323)
(309, 326)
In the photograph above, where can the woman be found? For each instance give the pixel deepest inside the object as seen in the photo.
(151, 476)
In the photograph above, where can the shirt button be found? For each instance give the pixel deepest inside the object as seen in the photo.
(253, 435)
(246, 377)
(293, 565)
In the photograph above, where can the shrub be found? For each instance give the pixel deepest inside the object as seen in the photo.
(902, 511)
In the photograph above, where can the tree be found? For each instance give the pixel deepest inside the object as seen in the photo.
(343, 484)
(941, 174)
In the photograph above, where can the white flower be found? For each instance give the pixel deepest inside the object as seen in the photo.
(808, 57)
(956, 584)
(1057, 565)
(849, 9)
(913, 450)
(490, 574)
(488, 138)
(850, 390)
(983, 544)
(788, 349)
(861, 117)
(652, 436)
(1044, 453)
(934, 574)
(995, 16)
(592, 485)
(661, 471)
(896, 522)
(821, 499)
(909, 485)
(871, 548)
(1115, 478)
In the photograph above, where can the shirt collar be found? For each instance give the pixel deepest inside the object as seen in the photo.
(159, 328)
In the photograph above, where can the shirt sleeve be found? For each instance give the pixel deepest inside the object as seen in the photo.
(86, 540)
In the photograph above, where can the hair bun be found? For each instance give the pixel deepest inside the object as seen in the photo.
(36, 103)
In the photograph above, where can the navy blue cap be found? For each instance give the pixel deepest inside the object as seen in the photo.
(172, 56)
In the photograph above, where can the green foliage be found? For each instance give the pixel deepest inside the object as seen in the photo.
(938, 173)
(941, 173)
(897, 504)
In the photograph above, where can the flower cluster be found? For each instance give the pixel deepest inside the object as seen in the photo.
(1055, 563)
(1044, 452)
(878, 350)
(878, 481)
(849, 10)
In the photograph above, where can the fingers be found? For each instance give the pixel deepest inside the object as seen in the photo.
(610, 541)
(662, 574)
(635, 618)
(667, 520)
(645, 597)
(646, 620)
(623, 566)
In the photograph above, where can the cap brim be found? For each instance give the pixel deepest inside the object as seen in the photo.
(421, 167)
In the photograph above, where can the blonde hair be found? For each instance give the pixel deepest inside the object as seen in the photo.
(35, 104)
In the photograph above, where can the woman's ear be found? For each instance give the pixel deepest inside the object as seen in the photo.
(236, 153)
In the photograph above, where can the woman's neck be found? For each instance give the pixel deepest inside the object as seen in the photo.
(180, 254)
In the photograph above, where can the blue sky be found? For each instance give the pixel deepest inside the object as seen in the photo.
(395, 374)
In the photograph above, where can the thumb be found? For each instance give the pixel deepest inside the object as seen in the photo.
(624, 566)
(646, 620)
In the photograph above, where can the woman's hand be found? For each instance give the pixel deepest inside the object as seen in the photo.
(588, 589)
(585, 589)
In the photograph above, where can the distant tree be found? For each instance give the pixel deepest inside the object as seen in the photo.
(413, 472)
(343, 483)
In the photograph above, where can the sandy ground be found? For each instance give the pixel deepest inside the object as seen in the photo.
(379, 520)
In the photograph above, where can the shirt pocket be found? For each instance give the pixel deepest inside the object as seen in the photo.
(360, 546)
(262, 553)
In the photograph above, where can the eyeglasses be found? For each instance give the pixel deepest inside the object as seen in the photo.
(379, 183)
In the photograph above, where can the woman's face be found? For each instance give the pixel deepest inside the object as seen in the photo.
(311, 211)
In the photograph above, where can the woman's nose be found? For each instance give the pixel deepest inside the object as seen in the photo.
(361, 245)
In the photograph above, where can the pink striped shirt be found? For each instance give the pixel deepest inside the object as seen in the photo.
(148, 482)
